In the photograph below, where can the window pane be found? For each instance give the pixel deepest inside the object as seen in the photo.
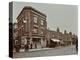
(41, 32)
(35, 30)
(35, 19)
(42, 22)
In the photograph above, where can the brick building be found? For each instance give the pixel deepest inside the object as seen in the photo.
(61, 39)
(69, 38)
(32, 28)
(55, 38)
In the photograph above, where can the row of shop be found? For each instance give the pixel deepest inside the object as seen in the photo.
(39, 43)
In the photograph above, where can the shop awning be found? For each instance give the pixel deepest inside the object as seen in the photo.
(55, 40)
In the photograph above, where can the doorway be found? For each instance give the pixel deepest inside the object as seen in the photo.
(36, 43)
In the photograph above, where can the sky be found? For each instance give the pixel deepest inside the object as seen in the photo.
(63, 16)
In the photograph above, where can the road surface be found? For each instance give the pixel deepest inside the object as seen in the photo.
(69, 50)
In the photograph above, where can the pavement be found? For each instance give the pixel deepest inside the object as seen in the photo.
(68, 50)
(44, 49)
(40, 49)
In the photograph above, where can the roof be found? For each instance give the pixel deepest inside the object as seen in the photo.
(31, 8)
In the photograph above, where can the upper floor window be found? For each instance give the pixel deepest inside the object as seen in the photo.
(35, 25)
(42, 27)
(24, 20)
(35, 19)
(42, 22)
(41, 32)
(35, 30)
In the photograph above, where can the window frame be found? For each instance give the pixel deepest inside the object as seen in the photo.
(35, 29)
(42, 22)
(35, 19)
